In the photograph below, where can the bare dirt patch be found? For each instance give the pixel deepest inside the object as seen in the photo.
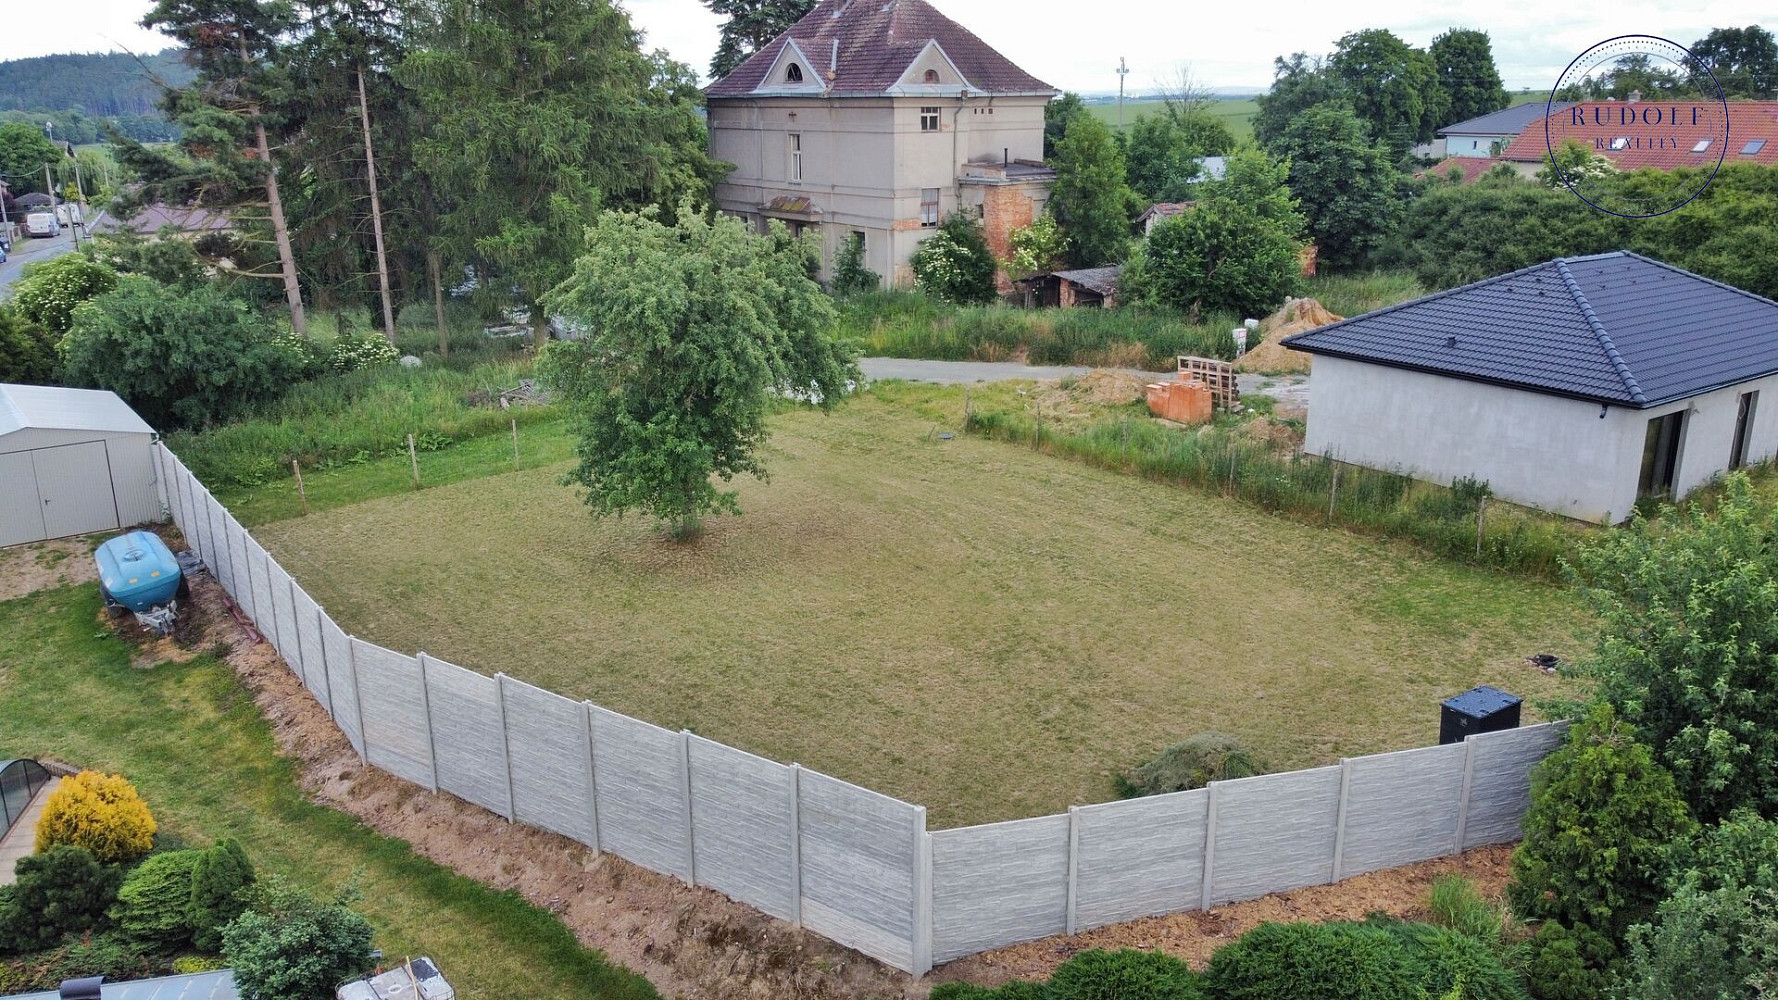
(694, 942)
(59, 562)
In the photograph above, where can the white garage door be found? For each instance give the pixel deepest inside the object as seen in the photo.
(53, 492)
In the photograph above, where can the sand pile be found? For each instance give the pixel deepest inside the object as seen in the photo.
(1084, 396)
(1269, 357)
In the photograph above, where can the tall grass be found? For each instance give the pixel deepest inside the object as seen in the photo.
(1356, 294)
(1455, 902)
(1221, 458)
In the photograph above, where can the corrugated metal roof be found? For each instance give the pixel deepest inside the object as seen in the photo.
(198, 986)
(49, 407)
(1614, 328)
(1506, 121)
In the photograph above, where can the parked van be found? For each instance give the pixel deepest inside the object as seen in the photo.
(68, 213)
(43, 224)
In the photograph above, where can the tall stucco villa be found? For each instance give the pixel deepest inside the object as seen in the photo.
(871, 120)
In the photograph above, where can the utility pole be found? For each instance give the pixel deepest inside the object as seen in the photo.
(1123, 70)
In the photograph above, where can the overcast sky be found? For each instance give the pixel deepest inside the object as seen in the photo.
(1076, 46)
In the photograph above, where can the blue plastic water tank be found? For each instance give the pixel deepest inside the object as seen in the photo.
(138, 570)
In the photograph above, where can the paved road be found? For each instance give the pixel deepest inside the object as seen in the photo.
(30, 251)
(1292, 390)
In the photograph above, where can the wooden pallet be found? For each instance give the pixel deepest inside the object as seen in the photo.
(1218, 375)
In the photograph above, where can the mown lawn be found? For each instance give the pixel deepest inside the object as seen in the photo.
(192, 740)
(965, 624)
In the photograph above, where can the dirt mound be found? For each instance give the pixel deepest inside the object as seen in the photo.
(1269, 357)
(1081, 397)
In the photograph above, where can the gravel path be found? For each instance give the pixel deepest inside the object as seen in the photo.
(1289, 390)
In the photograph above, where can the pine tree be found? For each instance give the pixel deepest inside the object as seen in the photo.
(751, 25)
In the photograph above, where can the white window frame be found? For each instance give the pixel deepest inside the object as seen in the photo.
(796, 157)
(929, 209)
(929, 119)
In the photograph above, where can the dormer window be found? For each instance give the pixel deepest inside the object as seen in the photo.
(932, 76)
(794, 74)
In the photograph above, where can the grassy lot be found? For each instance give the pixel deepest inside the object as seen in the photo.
(192, 740)
(967, 624)
(1237, 114)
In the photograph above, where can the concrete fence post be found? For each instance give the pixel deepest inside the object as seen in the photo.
(1339, 850)
(592, 771)
(426, 720)
(796, 844)
(1073, 864)
(922, 894)
(691, 853)
(357, 698)
(1209, 849)
(1463, 795)
(326, 679)
(505, 743)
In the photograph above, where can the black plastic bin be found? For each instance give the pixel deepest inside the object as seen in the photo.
(1479, 710)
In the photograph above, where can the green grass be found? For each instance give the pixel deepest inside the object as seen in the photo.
(1236, 113)
(191, 738)
(974, 626)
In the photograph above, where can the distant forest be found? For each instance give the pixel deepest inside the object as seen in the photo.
(103, 85)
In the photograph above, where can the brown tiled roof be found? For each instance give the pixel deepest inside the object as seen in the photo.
(878, 40)
(1472, 167)
(1749, 121)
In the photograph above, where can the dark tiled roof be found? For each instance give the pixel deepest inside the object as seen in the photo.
(151, 219)
(1098, 279)
(878, 41)
(1614, 328)
(1506, 121)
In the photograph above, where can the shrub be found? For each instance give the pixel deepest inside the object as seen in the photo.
(1455, 903)
(218, 882)
(1595, 839)
(355, 352)
(186, 356)
(100, 812)
(1018, 989)
(27, 349)
(1314, 962)
(154, 904)
(1193, 763)
(61, 891)
(1037, 248)
(1126, 974)
(955, 264)
(50, 291)
(850, 276)
(169, 261)
(288, 945)
(1688, 642)
(1560, 963)
(1448, 960)
(107, 955)
(1218, 257)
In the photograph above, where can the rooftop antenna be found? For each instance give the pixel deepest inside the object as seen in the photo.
(1123, 70)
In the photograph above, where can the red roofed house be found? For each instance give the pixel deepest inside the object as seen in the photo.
(871, 120)
(1664, 143)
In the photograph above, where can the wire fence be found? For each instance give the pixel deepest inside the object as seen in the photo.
(848, 863)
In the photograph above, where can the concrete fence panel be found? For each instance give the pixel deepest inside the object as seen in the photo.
(744, 835)
(639, 772)
(464, 710)
(342, 681)
(861, 860)
(1139, 858)
(1500, 781)
(307, 614)
(187, 484)
(1400, 808)
(282, 628)
(259, 579)
(546, 741)
(998, 884)
(393, 703)
(234, 554)
(1272, 833)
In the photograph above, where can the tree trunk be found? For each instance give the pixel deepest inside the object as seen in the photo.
(376, 212)
(286, 257)
(433, 273)
(539, 327)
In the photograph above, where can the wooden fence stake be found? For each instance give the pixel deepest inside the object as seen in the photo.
(414, 459)
(968, 412)
(301, 494)
(515, 444)
(1333, 495)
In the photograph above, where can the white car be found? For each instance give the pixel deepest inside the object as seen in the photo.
(43, 224)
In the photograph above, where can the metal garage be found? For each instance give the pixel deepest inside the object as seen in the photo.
(72, 461)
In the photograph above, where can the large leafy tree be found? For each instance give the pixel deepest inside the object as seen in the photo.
(1347, 185)
(537, 115)
(1688, 645)
(1744, 61)
(24, 149)
(1467, 74)
(750, 26)
(1298, 83)
(1393, 87)
(1091, 198)
(1058, 114)
(1159, 159)
(692, 331)
(228, 116)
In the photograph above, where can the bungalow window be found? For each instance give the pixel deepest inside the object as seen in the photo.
(1743, 430)
(929, 207)
(796, 158)
(1753, 147)
(1660, 455)
(794, 74)
(929, 119)
(1701, 146)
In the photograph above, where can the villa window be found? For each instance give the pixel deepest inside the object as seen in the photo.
(794, 74)
(932, 76)
(796, 158)
(929, 207)
(929, 119)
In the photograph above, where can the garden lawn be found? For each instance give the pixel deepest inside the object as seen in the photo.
(965, 624)
(192, 740)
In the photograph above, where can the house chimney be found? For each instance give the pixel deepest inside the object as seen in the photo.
(81, 989)
(1635, 96)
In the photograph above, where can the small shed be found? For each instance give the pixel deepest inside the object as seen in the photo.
(72, 461)
(1091, 287)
